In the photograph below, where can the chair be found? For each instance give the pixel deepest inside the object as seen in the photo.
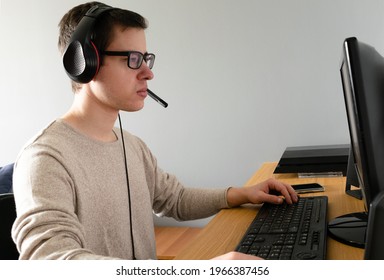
(8, 249)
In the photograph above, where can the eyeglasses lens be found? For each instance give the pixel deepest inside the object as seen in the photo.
(135, 60)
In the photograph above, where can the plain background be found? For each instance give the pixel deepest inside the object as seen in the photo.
(244, 79)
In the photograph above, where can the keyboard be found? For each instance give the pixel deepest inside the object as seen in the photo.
(288, 231)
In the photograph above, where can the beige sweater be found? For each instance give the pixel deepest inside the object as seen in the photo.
(72, 198)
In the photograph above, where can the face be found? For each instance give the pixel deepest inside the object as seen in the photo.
(116, 86)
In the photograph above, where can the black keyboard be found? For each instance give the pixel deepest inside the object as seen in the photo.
(288, 231)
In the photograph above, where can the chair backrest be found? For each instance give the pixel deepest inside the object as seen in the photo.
(8, 249)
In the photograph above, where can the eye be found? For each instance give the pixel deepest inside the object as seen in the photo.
(135, 59)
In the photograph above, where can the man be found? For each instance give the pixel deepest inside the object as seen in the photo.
(83, 189)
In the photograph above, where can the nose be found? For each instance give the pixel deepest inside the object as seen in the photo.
(145, 73)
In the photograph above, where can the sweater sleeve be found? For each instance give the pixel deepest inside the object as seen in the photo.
(46, 226)
(172, 199)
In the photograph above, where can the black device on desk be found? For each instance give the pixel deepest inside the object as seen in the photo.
(362, 76)
(315, 161)
(308, 188)
(288, 231)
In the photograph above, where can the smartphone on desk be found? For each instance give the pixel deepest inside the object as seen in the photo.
(308, 188)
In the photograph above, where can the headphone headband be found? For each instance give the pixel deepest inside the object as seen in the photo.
(81, 58)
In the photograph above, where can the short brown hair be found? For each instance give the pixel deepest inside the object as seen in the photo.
(103, 29)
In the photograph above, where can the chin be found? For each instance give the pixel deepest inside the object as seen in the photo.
(134, 108)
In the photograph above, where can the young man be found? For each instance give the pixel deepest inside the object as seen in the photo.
(76, 197)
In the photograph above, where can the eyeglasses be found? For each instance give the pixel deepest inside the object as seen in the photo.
(135, 59)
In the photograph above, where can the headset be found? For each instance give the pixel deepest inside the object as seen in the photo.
(81, 58)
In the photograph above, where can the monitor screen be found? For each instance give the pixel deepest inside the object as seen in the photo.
(362, 76)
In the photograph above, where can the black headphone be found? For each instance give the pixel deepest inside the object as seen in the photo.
(81, 57)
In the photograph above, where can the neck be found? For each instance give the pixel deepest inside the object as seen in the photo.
(91, 120)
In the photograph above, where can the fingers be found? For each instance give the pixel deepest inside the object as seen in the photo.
(289, 193)
(236, 256)
(284, 189)
(269, 191)
(271, 198)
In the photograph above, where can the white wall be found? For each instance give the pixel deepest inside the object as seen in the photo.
(244, 79)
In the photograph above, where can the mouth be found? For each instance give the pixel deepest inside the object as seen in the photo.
(142, 92)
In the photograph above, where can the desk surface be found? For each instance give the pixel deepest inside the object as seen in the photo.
(226, 229)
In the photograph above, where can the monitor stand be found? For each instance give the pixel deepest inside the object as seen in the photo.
(352, 179)
(356, 193)
(349, 229)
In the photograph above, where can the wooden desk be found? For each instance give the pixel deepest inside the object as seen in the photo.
(226, 229)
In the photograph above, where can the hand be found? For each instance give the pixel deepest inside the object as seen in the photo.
(261, 193)
(236, 256)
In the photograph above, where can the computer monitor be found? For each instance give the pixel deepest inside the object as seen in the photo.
(362, 76)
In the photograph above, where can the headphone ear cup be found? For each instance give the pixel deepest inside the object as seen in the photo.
(81, 58)
(74, 60)
(81, 62)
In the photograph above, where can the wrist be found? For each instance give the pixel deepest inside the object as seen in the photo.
(236, 196)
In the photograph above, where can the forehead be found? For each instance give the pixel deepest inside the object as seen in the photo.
(125, 39)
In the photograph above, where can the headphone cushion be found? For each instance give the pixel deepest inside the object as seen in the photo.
(81, 64)
(74, 60)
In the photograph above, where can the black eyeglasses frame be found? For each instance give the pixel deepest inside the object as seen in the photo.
(143, 57)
